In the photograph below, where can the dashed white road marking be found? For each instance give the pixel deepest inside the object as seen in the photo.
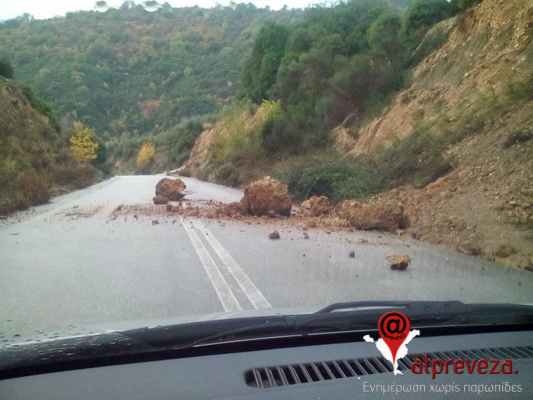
(223, 290)
(248, 287)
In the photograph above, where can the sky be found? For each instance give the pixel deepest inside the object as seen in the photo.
(41, 9)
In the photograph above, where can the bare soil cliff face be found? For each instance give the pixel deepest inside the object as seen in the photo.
(489, 48)
(470, 88)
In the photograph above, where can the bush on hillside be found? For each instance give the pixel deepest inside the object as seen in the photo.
(423, 14)
(416, 160)
(41, 106)
(329, 176)
(6, 69)
(461, 5)
(77, 176)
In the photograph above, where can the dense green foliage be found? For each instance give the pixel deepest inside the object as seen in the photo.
(6, 69)
(131, 71)
(461, 5)
(179, 140)
(423, 14)
(416, 160)
(332, 63)
(328, 175)
(41, 106)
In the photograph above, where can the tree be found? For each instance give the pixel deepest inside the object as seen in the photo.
(461, 5)
(384, 36)
(83, 143)
(6, 69)
(260, 68)
(422, 14)
(146, 155)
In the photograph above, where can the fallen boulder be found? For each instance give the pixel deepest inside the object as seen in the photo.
(316, 206)
(399, 261)
(172, 189)
(160, 200)
(267, 197)
(371, 216)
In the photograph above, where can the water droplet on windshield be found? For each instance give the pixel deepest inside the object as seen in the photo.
(101, 6)
(151, 5)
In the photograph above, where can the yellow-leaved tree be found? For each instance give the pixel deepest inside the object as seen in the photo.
(146, 155)
(83, 143)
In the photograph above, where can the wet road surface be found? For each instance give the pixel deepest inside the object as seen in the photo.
(69, 262)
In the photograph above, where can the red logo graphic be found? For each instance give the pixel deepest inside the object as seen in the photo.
(394, 328)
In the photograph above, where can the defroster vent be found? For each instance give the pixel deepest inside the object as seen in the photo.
(295, 374)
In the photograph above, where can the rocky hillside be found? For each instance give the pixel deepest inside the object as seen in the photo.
(34, 156)
(475, 93)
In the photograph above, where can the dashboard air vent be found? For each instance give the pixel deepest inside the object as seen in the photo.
(295, 374)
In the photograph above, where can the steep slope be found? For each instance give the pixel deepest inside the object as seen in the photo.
(475, 94)
(33, 155)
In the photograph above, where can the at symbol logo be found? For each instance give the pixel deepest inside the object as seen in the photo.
(393, 325)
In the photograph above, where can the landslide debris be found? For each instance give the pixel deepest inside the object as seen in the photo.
(316, 206)
(387, 217)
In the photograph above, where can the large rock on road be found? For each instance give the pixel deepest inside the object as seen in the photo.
(267, 197)
(172, 189)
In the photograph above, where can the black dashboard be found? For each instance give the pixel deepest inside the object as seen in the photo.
(330, 371)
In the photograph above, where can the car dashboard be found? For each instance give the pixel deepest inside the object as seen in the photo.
(330, 371)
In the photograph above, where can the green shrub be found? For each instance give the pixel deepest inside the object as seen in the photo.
(6, 69)
(180, 140)
(521, 91)
(36, 188)
(77, 176)
(21, 164)
(461, 5)
(417, 160)
(329, 176)
(41, 106)
(423, 14)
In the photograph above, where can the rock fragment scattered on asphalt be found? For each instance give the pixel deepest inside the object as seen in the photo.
(274, 235)
(399, 262)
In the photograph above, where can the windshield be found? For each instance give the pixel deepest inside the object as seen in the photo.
(168, 163)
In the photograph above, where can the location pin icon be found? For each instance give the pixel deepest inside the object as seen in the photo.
(394, 328)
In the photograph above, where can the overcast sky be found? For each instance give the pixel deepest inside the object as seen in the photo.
(50, 8)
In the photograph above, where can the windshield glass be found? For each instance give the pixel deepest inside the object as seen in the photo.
(173, 162)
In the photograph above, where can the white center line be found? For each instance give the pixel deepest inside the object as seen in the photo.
(226, 296)
(252, 292)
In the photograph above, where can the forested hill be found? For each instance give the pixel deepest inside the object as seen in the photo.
(129, 70)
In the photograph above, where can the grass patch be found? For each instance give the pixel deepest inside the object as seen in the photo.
(416, 160)
(330, 176)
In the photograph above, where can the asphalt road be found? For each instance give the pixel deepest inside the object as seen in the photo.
(68, 263)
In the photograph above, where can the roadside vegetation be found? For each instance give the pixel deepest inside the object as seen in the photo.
(335, 65)
(37, 158)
